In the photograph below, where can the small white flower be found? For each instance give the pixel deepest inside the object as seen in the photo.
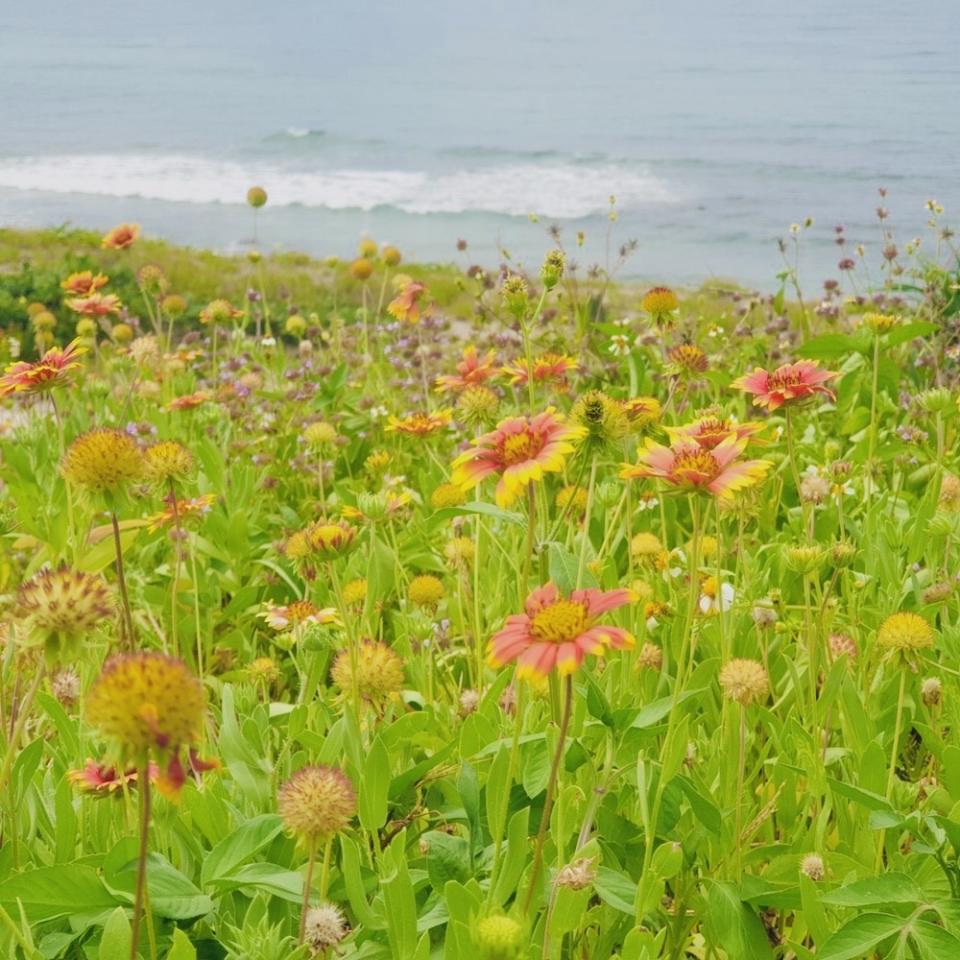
(620, 345)
(721, 603)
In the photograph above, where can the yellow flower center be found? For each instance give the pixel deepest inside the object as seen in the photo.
(697, 467)
(519, 447)
(561, 622)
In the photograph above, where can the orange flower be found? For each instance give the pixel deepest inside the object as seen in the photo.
(420, 424)
(521, 449)
(406, 306)
(83, 284)
(471, 370)
(189, 401)
(642, 411)
(557, 632)
(95, 305)
(51, 370)
(690, 467)
(789, 383)
(548, 368)
(711, 430)
(297, 614)
(120, 237)
(186, 510)
(104, 779)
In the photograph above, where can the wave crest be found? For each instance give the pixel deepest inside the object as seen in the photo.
(557, 190)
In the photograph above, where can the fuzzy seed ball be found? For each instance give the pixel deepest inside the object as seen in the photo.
(812, 866)
(166, 461)
(379, 672)
(317, 803)
(256, 197)
(103, 461)
(325, 927)
(744, 681)
(146, 701)
(64, 601)
(905, 632)
(425, 590)
(498, 937)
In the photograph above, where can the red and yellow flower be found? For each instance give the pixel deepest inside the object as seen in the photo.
(408, 305)
(471, 370)
(95, 304)
(521, 450)
(190, 400)
(788, 384)
(549, 368)
(711, 430)
(297, 614)
(556, 632)
(420, 424)
(688, 466)
(185, 510)
(84, 283)
(52, 370)
(121, 236)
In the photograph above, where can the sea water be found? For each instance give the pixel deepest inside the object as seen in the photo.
(715, 125)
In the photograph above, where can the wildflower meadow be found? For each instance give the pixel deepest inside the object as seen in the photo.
(365, 609)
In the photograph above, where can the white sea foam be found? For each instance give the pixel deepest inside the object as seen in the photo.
(556, 190)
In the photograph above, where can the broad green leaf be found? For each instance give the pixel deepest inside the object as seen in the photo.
(375, 787)
(616, 890)
(733, 927)
(856, 939)
(117, 935)
(875, 891)
(243, 843)
(52, 892)
(181, 948)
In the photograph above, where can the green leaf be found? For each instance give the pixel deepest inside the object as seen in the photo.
(375, 787)
(250, 771)
(52, 892)
(910, 331)
(935, 942)
(854, 940)
(654, 712)
(484, 509)
(448, 858)
(173, 896)
(829, 346)
(616, 890)
(243, 843)
(703, 807)
(734, 927)
(399, 901)
(497, 793)
(875, 891)
(117, 935)
(181, 948)
(564, 567)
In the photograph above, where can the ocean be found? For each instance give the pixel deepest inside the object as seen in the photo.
(714, 125)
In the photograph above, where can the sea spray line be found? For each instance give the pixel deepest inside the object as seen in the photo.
(557, 190)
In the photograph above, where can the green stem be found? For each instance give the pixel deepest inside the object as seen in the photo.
(128, 631)
(307, 884)
(551, 792)
(141, 889)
